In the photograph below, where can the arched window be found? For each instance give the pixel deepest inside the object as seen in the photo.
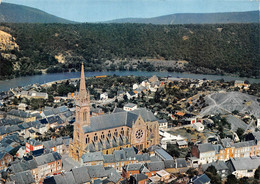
(84, 116)
(127, 132)
(122, 132)
(109, 134)
(95, 137)
(102, 135)
(87, 139)
(116, 133)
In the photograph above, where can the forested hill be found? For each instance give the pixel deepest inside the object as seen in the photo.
(231, 48)
(196, 18)
(24, 14)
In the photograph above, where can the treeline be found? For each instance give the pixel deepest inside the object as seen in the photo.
(229, 48)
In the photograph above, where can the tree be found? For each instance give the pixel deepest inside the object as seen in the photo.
(231, 179)
(211, 172)
(240, 133)
(257, 173)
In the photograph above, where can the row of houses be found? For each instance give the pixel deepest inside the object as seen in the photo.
(226, 150)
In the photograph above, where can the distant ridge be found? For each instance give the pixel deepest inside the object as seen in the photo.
(196, 18)
(23, 14)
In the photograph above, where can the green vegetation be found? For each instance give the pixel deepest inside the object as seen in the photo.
(232, 49)
(18, 13)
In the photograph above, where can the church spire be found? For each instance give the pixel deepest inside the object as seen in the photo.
(82, 87)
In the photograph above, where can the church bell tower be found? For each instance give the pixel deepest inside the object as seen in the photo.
(82, 100)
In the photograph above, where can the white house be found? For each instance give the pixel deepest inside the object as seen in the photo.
(130, 107)
(104, 96)
(207, 153)
(135, 86)
(243, 167)
(198, 126)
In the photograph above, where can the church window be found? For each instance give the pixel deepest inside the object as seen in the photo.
(102, 135)
(122, 132)
(95, 137)
(116, 133)
(87, 139)
(109, 134)
(84, 116)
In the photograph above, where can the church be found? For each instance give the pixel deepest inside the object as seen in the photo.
(110, 132)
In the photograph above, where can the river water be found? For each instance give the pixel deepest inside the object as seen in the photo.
(41, 79)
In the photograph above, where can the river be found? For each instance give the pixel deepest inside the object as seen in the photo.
(44, 78)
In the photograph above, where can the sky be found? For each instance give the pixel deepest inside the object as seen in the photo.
(103, 10)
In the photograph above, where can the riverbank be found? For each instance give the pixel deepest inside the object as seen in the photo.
(44, 78)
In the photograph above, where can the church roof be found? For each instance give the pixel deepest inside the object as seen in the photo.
(119, 119)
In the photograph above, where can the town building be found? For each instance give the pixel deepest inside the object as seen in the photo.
(130, 107)
(110, 132)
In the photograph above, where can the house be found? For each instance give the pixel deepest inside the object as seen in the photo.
(95, 158)
(220, 166)
(21, 115)
(241, 84)
(22, 178)
(182, 144)
(181, 165)
(104, 96)
(22, 106)
(48, 164)
(243, 167)
(205, 152)
(32, 94)
(131, 95)
(23, 166)
(138, 179)
(32, 144)
(161, 154)
(131, 169)
(55, 145)
(5, 159)
(163, 124)
(153, 167)
(164, 176)
(130, 107)
(202, 179)
(198, 126)
(245, 149)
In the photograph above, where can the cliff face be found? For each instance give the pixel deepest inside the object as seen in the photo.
(7, 42)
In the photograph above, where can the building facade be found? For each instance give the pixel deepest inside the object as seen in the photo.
(110, 132)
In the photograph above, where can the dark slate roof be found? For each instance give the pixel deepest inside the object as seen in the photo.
(25, 177)
(23, 166)
(155, 166)
(169, 164)
(47, 158)
(38, 152)
(116, 110)
(55, 119)
(181, 162)
(207, 147)
(96, 171)
(34, 142)
(245, 144)
(112, 175)
(91, 157)
(202, 179)
(139, 177)
(247, 163)
(52, 143)
(81, 175)
(19, 113)
(119, 119)
(219, 165)
(44, 121)
(65, 178)
(109, 158)
(133, 167)
(163, 154)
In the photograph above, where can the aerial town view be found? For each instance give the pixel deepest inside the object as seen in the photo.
(129, 92)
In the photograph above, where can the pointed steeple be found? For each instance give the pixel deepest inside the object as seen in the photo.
(82, 87)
